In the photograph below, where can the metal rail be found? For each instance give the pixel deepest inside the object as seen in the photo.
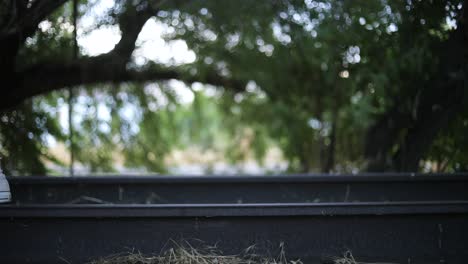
(417, 219)
(217, 210)
(244, 189)
(409, 232)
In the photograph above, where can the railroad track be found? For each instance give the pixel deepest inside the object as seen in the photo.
(376, 225)
(228, 189)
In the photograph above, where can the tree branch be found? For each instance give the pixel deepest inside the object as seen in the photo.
(23, 17)
(48, 77)
(38, 11)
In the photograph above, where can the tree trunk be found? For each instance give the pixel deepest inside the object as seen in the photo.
(330, 149)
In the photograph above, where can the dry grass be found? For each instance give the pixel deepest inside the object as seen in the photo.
(348, 258)
(185, 253)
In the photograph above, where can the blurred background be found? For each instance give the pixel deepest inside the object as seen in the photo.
(232, 87)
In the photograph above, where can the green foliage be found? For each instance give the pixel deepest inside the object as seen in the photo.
(53, 39)
(23, 136)
(318, 74)
(447, 153)
(333, 63)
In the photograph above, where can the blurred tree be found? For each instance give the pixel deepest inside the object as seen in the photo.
(337, 85)
(402, 61)
(23, 132)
